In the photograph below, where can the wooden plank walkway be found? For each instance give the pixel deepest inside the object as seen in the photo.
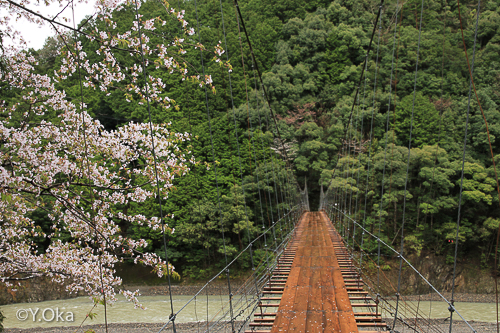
(315, 298)
(315, 286)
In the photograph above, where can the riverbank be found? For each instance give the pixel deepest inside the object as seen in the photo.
(214, 290)
(114, 328)
(441, 324)
(117, 328)
(220, 288)
(471, 284)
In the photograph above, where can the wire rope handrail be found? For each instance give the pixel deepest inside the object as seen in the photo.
(452, 307)
(280, 245)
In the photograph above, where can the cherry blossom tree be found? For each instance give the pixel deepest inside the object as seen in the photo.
(74, 169)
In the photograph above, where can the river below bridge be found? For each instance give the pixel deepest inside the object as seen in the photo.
(158, 309)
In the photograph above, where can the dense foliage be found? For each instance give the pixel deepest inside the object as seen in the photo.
(311, 55)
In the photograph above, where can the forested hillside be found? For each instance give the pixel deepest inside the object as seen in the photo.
(311, 55)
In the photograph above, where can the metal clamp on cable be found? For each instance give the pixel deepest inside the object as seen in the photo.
(451, 308)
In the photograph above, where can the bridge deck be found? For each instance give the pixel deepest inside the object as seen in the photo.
(315, 298)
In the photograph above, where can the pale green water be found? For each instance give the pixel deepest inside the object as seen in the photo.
(158, 309)
(470, 311)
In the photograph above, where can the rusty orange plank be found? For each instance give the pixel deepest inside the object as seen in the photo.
(298, 322)
(315, 298)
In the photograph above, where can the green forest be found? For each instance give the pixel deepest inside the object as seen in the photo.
(311, 55)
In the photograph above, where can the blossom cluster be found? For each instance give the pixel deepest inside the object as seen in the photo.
(137, 41)
(81, 175)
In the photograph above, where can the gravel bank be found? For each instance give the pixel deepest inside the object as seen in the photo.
(118, 328)
(440, 324)
(443, 325)
(185, 290)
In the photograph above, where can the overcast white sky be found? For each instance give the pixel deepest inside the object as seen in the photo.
(35, 35)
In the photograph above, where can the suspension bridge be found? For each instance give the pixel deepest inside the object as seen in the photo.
(315, 284)
(315, 277)
(318, 284)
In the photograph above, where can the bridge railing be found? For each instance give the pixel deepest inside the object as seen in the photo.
(422, 309)
(237, 302)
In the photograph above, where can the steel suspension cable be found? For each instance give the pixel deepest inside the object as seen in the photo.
(409, 307)
(361, 76)
(353, 139)
(394, 113)
(492, 160)
(215, 169)
(385, 146)
(250, 138)
(288, 177)
(412, 268)
(262, 144)
(463, 161)
(351, 170)
(351, 187)
(283, 148)
(360, 150)
(146, 86)
(91, 192)
(344, 188)
(281, 182)
(341, 187)
(441, 115)
(408, 166)
(253, 145)
(371, 137)
(358, 166)
(286, 182)
(239, 155)
(235, 125)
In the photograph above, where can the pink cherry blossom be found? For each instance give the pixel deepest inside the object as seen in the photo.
(76, 170)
